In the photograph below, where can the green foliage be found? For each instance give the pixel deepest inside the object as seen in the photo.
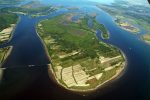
(76, 37)
(101, 27)
(6, 19)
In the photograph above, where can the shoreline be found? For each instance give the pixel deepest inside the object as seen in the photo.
(44, 46)
(13, 31)
(6, 55)
(119, 74)
(144, 40)
(103, 36)
(9, 47)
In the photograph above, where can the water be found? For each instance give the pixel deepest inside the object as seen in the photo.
(21, 82)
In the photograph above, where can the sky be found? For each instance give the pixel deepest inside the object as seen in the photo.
(138, 2)
(133, 2)
(103, 1)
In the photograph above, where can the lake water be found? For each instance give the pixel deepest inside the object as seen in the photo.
(22, 82)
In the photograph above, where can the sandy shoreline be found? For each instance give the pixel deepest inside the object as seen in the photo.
(6, 55)
(12, 33)
(44, 46)
(118, 74)
(144, 40)
(3, 60)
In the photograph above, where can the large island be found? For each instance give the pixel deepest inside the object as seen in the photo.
(79, 60)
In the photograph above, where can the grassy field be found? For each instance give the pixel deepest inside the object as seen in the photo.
(73, 43)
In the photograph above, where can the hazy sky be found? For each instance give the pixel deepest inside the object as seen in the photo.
(135, 2)
(102, 1)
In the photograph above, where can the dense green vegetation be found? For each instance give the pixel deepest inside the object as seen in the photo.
(76, 36)
(105, 33)
(97, 26)
(6, 19)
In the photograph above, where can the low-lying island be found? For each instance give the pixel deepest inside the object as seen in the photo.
(79, 60)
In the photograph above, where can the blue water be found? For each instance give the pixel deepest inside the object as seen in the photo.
(34, 83)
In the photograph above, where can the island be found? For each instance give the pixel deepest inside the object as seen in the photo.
(126, 25)
(130, 20)
(146, 38)
(79, 60)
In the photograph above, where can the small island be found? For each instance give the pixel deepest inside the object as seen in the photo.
(126, 25)
(146, 38)
(79, 60)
